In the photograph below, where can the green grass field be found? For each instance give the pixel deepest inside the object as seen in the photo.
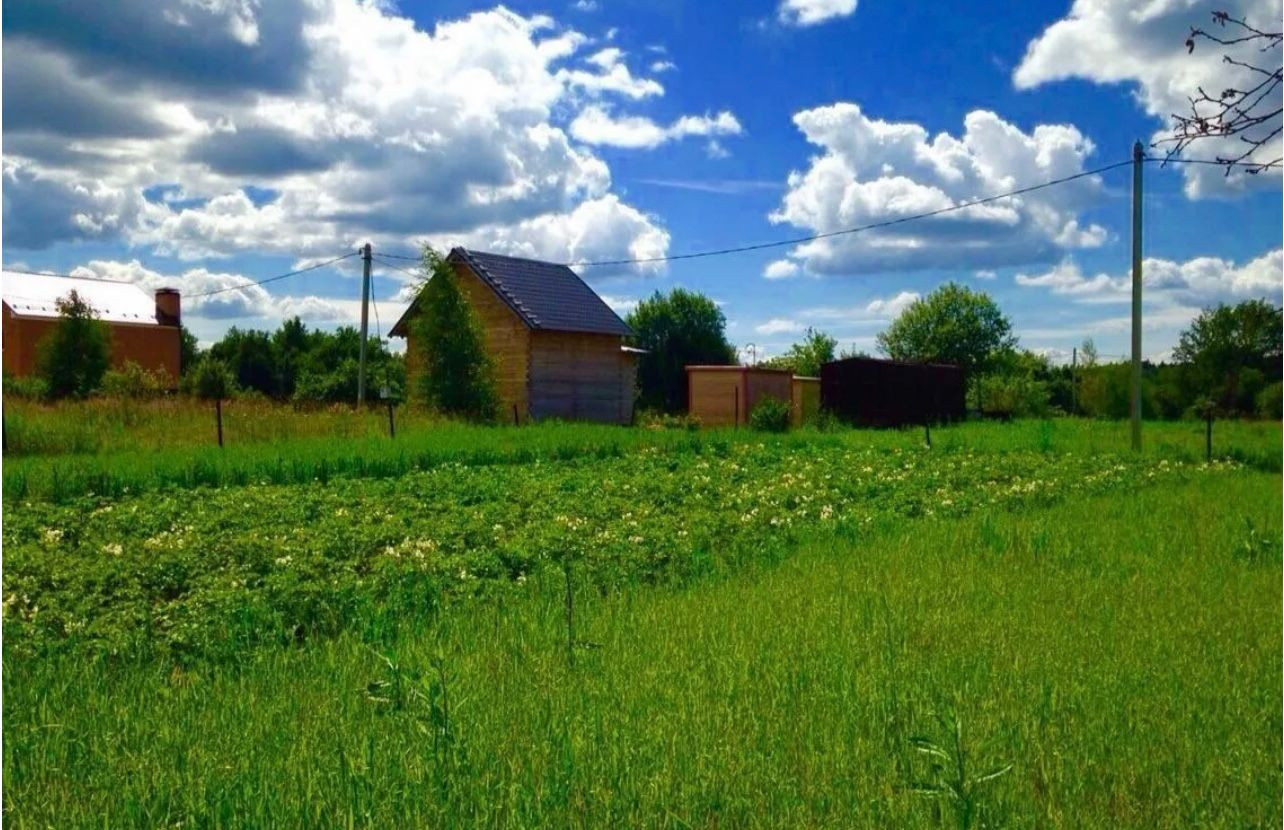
(1024, 626)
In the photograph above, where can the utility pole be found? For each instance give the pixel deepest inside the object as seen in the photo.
(1137, 159)
(366, 254)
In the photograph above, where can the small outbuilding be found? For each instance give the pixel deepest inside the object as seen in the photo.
(557, 347)
(886, 393)
(144, 329)
(725, 395)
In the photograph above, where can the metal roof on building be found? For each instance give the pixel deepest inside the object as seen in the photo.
(545, 295)
(36, 295)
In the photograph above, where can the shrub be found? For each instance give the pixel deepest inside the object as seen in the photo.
(823, 420)
(1016, 395)
(133, 381)
(212, 380)
(28, 388)
(770, 415)
(1269, 402)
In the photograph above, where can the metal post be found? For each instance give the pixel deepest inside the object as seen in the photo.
(736, 422)
(392, 426)
(218, 419)
(366, 253)
(1137, 158)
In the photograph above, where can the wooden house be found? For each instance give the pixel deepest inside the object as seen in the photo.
(557, 348)
(144, 329)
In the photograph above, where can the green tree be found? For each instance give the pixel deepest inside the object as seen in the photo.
(212, 381)
(1232, 353)
(678, 330)
(806, 358)
(457, 377)
(252, 359)
(953, 324)
(73, 358)
(189, 351)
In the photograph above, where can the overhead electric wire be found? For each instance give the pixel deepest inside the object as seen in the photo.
(414, 274)
(798, 240)
(275, 278)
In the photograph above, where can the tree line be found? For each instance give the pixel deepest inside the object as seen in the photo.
(1228, 361)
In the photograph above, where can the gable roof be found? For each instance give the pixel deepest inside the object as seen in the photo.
(36, 295)
(544, 295)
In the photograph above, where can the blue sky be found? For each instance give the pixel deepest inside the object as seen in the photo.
(204, 145)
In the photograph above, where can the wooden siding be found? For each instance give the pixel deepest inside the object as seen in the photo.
(761, 384)
(153, 347)
(507, 341)
(717, 396)
(580, 376)
(805, 400)
(725, 395)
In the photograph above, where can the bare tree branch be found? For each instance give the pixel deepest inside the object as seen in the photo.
(1253, 114)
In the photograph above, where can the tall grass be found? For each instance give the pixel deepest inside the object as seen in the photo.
(1119, 656)
(355, 448)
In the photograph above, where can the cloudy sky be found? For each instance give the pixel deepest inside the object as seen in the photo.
(205, 143)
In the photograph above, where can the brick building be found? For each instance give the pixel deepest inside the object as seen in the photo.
(144, 329)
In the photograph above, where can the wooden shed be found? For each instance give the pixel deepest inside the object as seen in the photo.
(804, 400)
(558, 349)
(144, 329)
(725, 395)
(884, 393)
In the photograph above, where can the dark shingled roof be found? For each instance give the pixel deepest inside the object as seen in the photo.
(544, 295)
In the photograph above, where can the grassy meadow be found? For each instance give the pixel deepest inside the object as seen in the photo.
(1023, 626)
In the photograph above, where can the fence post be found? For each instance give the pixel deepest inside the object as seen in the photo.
(515, 421)
(218, 418)
(927, 431)
(736, 421)
(392, 427)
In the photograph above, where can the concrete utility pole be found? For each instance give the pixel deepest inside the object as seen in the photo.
(1137, 159)
(366, 254)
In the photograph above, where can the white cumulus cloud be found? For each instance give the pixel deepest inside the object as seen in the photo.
(811, 12)
(1143, 45)
(594, 125)
(872, 171)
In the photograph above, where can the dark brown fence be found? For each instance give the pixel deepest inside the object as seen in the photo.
(888, 393)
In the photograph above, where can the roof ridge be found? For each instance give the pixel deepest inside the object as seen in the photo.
(497, 285)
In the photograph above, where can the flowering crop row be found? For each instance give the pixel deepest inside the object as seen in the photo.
(199, 571)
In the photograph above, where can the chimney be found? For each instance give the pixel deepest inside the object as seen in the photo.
(168, 307)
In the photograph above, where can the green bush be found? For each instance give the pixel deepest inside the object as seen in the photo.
(1020, 396)
(212, 380)
(1269, 402)
(133, 381)
(770, 415)
(29, 388)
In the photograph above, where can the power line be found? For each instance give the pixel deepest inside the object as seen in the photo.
(873, 226)
(65, 276)
(380, 257)
(1227, 163)
(275, 278)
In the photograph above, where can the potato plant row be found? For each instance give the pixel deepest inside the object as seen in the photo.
(207, 572)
